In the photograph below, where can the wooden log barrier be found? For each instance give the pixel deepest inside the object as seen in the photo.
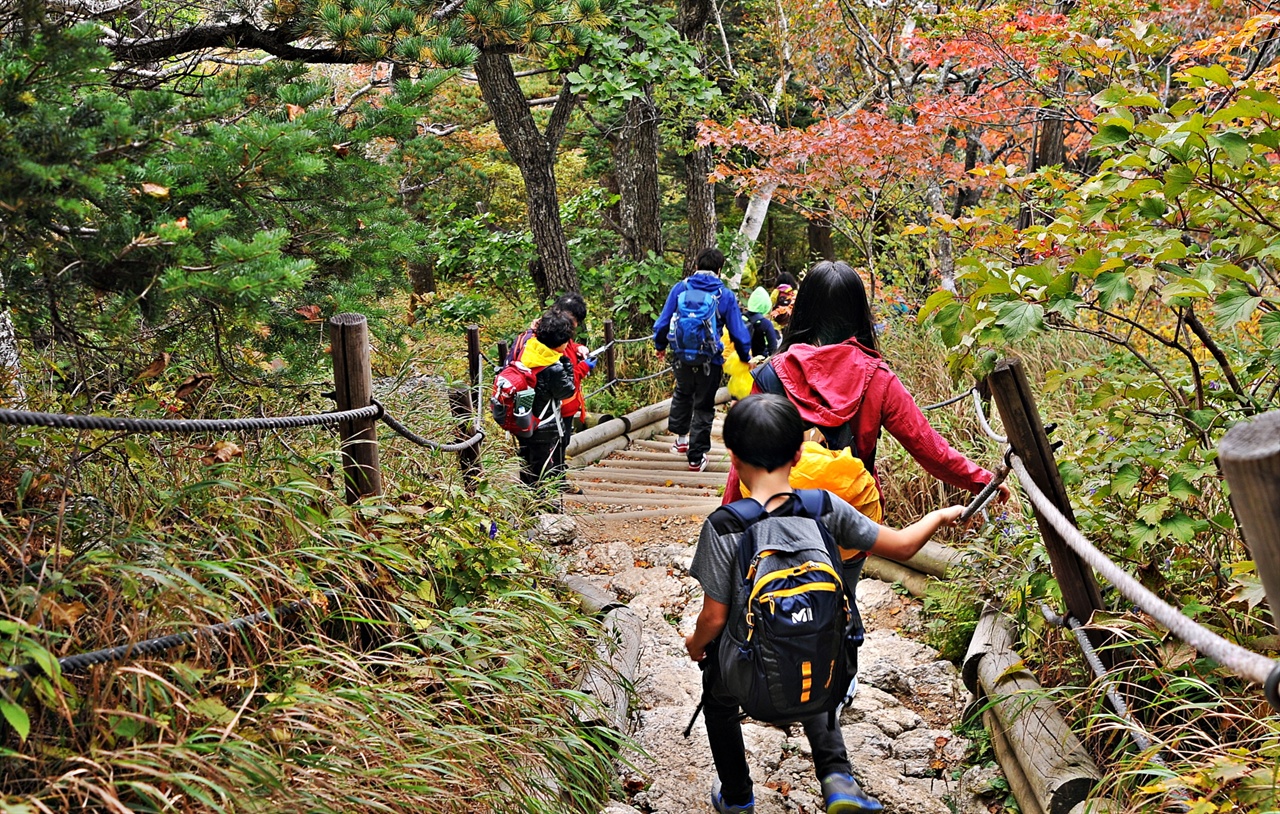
(1058, 770)
(610, 682)
(890, 571)
(1250, 458)
(1013, 774)
(353, 388)
(618, 427)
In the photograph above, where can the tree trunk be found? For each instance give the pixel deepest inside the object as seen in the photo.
(700, 199)
(422, 277)
(635, 155)
(945, 251)
(534, 155)
(757, 210)
(11, 389)
(700, 194)
(821, 244)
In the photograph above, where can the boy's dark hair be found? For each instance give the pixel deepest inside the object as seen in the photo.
(785, 278)
(554, 328)
(572, 304)
(710, 260)
(764, 430)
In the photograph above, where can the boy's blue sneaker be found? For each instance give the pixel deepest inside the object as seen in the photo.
(841, 794)
(718, 803)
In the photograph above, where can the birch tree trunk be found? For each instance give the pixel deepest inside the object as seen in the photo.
(11, 388)
(758, 205)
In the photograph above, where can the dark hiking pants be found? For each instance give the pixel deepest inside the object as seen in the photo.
(724, 733)
(693, 405)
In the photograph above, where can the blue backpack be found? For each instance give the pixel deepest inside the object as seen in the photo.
(789, 649)
(695, 327)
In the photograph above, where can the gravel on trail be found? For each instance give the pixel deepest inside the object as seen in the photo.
(898, 729)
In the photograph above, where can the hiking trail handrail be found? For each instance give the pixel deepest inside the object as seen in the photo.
(1246, 664)
(1009, 384)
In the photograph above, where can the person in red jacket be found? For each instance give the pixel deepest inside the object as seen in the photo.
(574, 406)
(829, 367)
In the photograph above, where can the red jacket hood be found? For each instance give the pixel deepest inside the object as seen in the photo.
(827, 383)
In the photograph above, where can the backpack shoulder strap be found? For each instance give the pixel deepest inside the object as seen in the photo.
(812, 503)
(748, 512)
(767, 380)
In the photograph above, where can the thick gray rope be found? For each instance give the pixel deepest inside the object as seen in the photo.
(949, 401)
(644, 378)
(982, 419)
(1248, 665)
(477, 427)
(988, 492)
(152, 647)
(634, 339)
(601, 389)
(404, 431)
(179, 426)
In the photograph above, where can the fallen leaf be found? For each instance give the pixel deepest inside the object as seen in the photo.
(155, 190)
(294, 111)
(155, 368)
(341, 150)
(221, 453)
(58, 614)
(311, 313)
(193, 387)
(181, 223)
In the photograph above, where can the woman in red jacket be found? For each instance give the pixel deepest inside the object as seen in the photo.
(828, 366)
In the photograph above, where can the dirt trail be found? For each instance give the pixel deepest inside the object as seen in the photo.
(898, 729)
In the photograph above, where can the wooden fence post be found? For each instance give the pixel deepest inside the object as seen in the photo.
(1250, 457)
(1017, 405)
(610, 361)
(468, 459)
(353, 388)
(473, 355)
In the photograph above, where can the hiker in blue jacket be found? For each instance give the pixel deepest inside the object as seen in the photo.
(697, 308)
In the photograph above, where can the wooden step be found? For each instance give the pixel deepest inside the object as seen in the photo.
(660, 490)
(665, 446)
(630, 500)
(693, 512)
(678, 465)
(672, 458)
(648, 477)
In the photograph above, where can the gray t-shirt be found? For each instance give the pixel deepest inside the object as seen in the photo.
(715, 562)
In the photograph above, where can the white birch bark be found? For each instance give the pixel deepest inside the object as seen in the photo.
(11, 389)
(758, 204)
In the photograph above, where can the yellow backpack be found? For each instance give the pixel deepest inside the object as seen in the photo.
(840, 473)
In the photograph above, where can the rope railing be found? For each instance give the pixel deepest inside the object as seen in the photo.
(1246, 664)
(162, 644)
(950, 401)
(182, 426)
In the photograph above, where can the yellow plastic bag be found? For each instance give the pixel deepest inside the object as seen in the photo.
(740, 384)
(739, 372)
(839, 473)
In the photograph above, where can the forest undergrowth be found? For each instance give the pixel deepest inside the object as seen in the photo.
(433, 671)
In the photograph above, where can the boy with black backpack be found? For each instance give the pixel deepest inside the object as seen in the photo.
(696, 310)
(778, 628)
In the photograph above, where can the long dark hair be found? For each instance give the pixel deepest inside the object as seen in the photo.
(831, 307)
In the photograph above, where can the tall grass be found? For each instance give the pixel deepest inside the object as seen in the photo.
(438, 676)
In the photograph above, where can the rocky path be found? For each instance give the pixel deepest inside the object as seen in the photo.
(899, 728)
